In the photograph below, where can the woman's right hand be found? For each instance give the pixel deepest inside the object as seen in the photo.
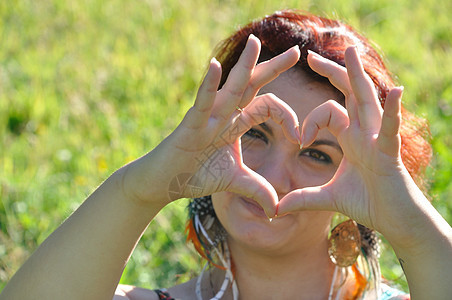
(203, 155)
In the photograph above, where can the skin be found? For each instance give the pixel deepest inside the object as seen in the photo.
(286, 254)
(84, 258)
(269, 153)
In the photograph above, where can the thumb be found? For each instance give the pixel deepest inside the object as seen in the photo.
(310, 198)
(252, 185)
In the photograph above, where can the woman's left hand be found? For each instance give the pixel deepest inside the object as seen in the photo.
(371, 185)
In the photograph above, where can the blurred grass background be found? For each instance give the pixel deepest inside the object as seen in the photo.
(86, 86)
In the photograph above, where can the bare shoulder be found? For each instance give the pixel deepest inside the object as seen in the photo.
(184, 291)
(129, 292)
(187, 290)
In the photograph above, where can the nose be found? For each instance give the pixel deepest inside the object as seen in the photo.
(278, 169)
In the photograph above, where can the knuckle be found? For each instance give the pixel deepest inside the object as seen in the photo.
(236, 93)
(270, 95)
(253, 88)
(249, 67)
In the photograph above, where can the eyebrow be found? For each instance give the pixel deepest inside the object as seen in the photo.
(327, 143)
(265, 127)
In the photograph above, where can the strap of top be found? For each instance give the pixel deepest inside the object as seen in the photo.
(163, 294)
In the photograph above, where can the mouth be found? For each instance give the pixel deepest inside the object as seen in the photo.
(253, 206)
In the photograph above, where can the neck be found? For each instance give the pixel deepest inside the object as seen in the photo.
(258, 275)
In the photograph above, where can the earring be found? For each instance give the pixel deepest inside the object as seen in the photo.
(344, 243)
(205, 231)
(209, 238)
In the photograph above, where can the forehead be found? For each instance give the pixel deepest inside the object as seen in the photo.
(300, 92)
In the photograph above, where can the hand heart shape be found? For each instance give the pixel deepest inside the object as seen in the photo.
(205, 150)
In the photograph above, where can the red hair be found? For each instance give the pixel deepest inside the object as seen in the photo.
(329, 38)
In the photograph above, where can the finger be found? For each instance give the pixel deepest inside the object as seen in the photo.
(368, 106)
(389, 139)
(330, 115)
(268, 71)
(335, 73)
(265, 107)
(254, 186)
(205, 99)
(310, 198)
(338, 77)
(232, 91)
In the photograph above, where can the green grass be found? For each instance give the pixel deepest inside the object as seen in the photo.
(86, 86)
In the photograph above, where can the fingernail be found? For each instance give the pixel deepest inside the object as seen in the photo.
(297, 48)
(313, 53)
(301, 142)
(214, 61)
(353, 48)
(270, 219)
(297, 134)
(316, 55)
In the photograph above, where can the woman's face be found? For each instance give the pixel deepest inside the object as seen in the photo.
(268, 152)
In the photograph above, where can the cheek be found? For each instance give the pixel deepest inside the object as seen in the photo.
(312, 174)
(253, 157)
(221, 204)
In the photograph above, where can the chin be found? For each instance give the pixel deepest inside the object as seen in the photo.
(260, 240)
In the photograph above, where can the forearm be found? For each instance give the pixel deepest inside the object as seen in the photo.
(428, 275)
(425, 250)
(85, 256)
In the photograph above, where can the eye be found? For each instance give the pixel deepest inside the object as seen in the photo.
(316, 155)
(256, 134)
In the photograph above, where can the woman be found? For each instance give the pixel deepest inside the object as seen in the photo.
(349, 158)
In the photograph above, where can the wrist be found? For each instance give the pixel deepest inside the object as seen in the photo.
(422, 230)
(137, 191)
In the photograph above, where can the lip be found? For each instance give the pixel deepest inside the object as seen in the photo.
(253, 206)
